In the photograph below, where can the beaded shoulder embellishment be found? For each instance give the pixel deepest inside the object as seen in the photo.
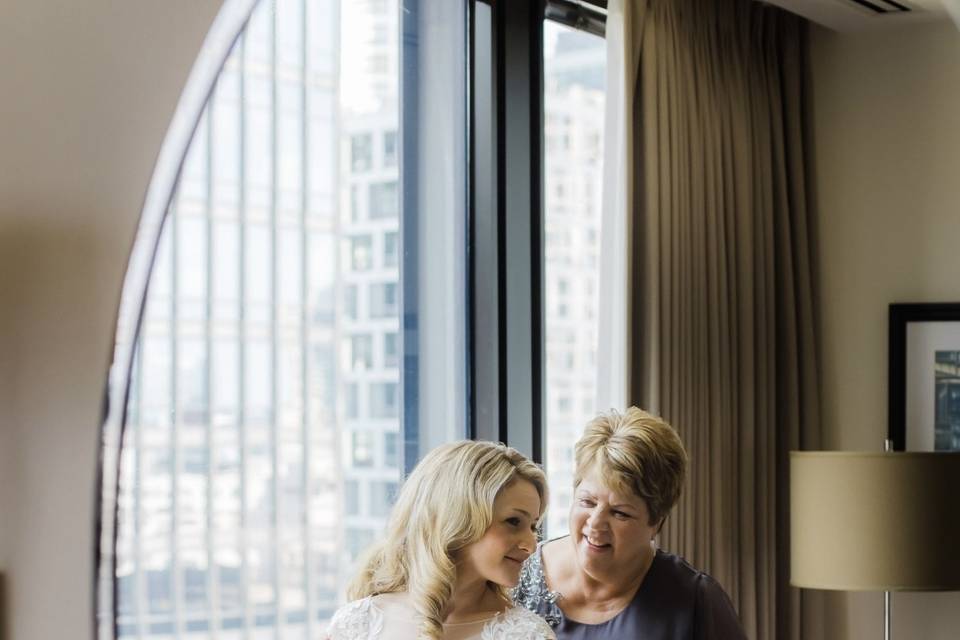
(532, 593)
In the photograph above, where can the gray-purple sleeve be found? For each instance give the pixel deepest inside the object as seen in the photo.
(715, 617)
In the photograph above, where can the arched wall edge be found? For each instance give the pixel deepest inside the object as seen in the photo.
(224, 32)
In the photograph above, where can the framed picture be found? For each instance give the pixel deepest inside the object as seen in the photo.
(924, 377)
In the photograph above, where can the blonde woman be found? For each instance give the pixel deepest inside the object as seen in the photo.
(464, 523)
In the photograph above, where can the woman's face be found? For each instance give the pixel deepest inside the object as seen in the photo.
(611, 531)
(511, 538)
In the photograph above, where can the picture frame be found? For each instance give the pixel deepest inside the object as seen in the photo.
(924, 377)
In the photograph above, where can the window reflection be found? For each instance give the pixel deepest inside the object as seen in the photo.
(361, 152)
(390, 149)
(383, 300)
(361, 252)
(361, 352)
(383, 200)
(391, 350)
(391, 249)
(362, 449)
(384, 400)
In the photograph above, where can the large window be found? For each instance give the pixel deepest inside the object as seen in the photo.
(265, 439)
(573, 106)
(305, 337)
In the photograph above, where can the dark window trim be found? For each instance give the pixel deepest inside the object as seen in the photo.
(506, 390)
(409, 229)
(511, 410)
(470, 226)
(483, 249)
(586, 15)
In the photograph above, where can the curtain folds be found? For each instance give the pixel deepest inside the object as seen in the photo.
(721, 332)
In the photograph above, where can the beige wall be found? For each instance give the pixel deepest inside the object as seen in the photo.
(88, 91)
(887, 136)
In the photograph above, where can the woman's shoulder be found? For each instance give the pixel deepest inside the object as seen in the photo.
(680, 582)
(517, 623)
(355, 620)
(676, 570)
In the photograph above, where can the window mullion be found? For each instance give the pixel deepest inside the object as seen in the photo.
(507, 224)
(274, 413)
(309, 582)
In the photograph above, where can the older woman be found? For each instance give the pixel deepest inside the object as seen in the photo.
(607, 579)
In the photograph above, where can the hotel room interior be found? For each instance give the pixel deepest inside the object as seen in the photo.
(421, 183)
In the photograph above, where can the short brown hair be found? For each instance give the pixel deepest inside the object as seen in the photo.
(637, 451)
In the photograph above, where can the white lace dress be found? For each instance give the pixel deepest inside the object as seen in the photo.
(390, 617)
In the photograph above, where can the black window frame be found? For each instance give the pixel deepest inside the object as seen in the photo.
(505, 268)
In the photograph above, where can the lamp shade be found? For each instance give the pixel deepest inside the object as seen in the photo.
(875, 521)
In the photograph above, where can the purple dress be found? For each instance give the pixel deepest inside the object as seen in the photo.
(674, 602)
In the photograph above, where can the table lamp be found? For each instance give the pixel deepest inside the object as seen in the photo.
(875, 522)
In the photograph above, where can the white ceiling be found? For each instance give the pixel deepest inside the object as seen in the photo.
(846, 15)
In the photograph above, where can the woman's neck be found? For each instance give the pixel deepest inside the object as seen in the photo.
(613, 589)
(473, 599)
(621, 583)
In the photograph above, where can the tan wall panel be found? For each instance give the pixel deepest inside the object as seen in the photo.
(88, 91)
(887, 138)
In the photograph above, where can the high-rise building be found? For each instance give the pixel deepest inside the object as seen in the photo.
(262, 450)
(369, 269)
(574, 76)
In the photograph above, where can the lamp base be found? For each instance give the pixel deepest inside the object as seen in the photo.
(886, 615)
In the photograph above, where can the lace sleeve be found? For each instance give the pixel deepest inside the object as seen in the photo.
(517, 623)
(357, 620)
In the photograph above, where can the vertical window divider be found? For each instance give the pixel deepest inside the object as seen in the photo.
(176, 571)
(141, 608)
(339, 287)
(306, 432)
(242, 338)
(213, 596)
(514, 213)
(470, 232)
(273, 413)
(483, 249)
(409, 207)
(537, 320)
(498, 58)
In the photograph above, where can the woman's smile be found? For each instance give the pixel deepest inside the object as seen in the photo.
(596, 546)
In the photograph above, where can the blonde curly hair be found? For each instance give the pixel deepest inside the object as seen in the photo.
(445, 505)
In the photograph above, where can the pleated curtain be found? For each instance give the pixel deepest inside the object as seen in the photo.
(721, 301)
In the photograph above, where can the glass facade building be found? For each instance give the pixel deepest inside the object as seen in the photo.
(262, 451)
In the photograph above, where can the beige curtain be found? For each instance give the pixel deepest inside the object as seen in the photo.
(722, 327)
